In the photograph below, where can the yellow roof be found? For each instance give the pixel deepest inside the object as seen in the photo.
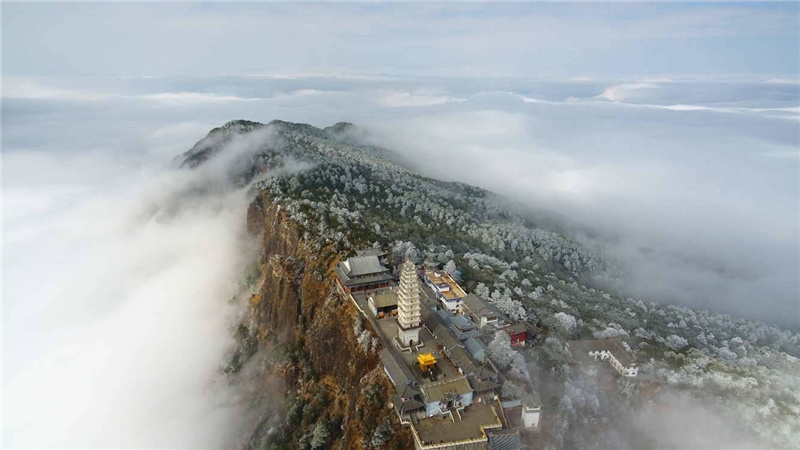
(441, 277)
(426, 359)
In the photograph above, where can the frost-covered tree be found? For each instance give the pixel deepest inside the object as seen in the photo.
(451, 268)
(566, 321)
(518, 369)
(500, 351)
(412, 255)
(381, 435)
(676, 342)
(320, 435)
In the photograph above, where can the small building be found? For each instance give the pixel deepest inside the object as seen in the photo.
(397, 371)
(531, 410)
(383, 302)
(446, 290)
(466, 429)
(446, 394)
(476, 348)
(517, 332)
(480, 310)
(361, 273)
(609, 350)
(426, 361)
(484, 381)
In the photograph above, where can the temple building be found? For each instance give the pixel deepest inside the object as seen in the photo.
(361, 273)
(447, 291)
(383, 303)
(408, 306)
(447, 390)
(517, 332)
(480, 310)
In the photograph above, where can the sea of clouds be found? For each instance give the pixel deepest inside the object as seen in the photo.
(118, 268)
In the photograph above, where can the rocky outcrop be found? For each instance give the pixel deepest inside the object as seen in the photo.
(336, 378)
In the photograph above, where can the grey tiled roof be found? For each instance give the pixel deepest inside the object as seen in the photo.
(515, 328)
(370, 252)
(531, 399)
(481, 385)
(341, 272)
(398, 372)
(385, 298)
(359, 266)
(474, 346)
(480, 307)
(461, 358)
(406, 406)
(504, 440)
(435, 392)
(446, 338)
(468, 334)
(462, 322)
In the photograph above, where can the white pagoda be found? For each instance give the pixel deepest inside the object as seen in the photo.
(408, 305)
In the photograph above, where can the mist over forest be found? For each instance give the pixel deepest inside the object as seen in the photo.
(701, 216)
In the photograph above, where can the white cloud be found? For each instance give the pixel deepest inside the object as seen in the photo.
(406, 99)
(195, 97)
(117, 289)
(783, 81)
(619, 93)
(647, 177)
(18, 88)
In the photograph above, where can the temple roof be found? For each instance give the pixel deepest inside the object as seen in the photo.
(504, 440)
(407, 405)
(480, 307)
(436, 392)
(359, 266)
(384, 298)
(370, 252)
(482, 385)
(340, 270)
(396, 368)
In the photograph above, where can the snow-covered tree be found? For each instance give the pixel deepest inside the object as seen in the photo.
(320, 435)
(381, 435)
(451, 268)
(676, 342)
(568, 322)
(500, 351)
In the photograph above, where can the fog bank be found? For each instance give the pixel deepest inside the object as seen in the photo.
(117, 289)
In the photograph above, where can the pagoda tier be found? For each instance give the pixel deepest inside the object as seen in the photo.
(408, 304)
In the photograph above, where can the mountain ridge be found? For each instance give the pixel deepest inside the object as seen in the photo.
(340, 195)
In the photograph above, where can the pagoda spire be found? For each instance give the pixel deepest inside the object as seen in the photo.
(408, 305)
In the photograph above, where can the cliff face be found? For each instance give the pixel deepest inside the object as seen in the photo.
(331, 374)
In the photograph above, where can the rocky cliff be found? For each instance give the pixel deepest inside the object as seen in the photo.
(338, 396)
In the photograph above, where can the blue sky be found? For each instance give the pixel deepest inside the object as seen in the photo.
(531, 40)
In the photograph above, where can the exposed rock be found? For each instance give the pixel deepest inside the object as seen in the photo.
(304, 313)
